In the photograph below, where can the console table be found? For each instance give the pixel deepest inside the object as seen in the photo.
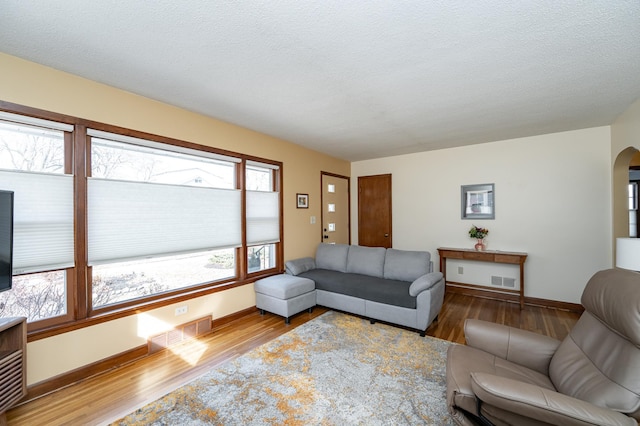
(494, 256)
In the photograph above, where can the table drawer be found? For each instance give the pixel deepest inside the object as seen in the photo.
(505, 258)
(451, 254)
(478, 255)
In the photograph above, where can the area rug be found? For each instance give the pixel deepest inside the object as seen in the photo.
(334, 370)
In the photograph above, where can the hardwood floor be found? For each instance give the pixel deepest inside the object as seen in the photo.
(458, 307)
(109, 396)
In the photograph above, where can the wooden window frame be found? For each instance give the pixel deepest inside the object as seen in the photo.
(80, 313)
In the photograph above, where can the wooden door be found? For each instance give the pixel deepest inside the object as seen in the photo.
(374, 211)
(336, 223)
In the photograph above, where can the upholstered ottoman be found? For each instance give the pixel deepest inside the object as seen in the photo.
(285, 295)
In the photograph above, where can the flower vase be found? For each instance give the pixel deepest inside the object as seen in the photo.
(480, 245)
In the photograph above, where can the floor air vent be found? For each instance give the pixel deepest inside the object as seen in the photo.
(179, 334)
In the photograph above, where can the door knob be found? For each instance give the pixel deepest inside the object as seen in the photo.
(326, 236)
(386, 235)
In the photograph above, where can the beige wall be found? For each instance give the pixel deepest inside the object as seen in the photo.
(625, 143)
(553, 197)
(33, 85)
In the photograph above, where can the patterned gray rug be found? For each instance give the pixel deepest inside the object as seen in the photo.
(334, 370)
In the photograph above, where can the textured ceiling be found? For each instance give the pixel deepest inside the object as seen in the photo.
(354, 79)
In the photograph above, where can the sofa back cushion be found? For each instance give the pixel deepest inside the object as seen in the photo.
(404, 265)
(366, 261)
(332, 257)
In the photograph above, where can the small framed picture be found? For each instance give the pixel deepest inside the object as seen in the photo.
(478, 201)
(302, 201)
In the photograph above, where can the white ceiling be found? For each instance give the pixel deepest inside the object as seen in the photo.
(354, 79)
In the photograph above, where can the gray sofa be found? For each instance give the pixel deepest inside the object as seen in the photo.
(390, 285)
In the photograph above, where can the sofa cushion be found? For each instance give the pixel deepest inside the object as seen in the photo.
(284, 286)
(332, 257)
(406, 265)
(366, 260)
(298, 266)
(391, 292)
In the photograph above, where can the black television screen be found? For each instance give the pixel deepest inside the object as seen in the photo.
(6, 239)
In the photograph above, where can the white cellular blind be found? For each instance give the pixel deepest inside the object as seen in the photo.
(261, 165)
(42, 221)
(23, 119)
(132, 220)
(263, 217)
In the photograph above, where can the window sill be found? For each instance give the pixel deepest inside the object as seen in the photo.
(105, 315)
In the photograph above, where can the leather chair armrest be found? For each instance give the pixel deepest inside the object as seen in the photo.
(424, 282)
(522, 347)
(542, 404)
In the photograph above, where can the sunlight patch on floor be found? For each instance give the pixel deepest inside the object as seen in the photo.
(189, 350)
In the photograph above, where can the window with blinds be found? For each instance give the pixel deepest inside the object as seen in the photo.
(159, 218)
(32, 165)
(263, 215)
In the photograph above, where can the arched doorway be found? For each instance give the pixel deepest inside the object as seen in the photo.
(634, 193)
(626, 159)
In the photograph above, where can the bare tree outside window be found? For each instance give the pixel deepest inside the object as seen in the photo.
(31, 150)
(35, 296)
(104, 162)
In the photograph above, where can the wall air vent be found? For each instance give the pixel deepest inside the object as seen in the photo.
(179, 333)
(509, 282)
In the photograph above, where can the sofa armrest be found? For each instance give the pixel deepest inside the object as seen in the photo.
(298, 266)
(424, 282)
(522, 347)
(542, 404)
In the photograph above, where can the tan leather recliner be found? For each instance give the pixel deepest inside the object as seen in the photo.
(508, 376)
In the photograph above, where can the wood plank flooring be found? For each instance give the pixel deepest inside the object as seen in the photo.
(109, 396)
